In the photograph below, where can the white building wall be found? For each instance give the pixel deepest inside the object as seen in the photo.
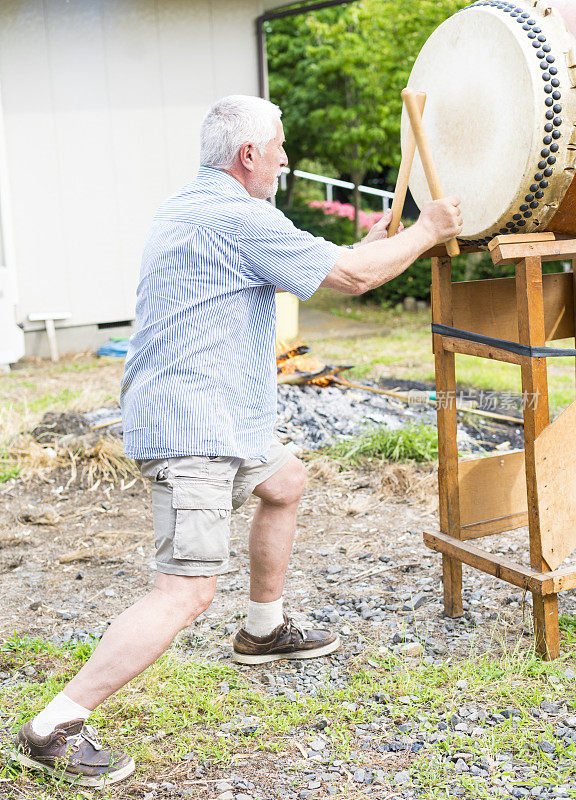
(102, 102)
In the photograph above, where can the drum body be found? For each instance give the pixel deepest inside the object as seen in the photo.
(500, 116)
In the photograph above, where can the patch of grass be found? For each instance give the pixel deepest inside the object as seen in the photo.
(8, 467)
(78, 383)
(18, 652)
(92, 460)
(568, 628)
(409, 443)
(54, 402)
(81, 364)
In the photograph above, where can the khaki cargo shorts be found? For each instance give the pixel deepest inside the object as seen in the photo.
(192, 499)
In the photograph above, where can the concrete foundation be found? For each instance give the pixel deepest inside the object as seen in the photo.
(73, 339)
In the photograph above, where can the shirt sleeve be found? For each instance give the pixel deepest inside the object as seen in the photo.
(274, 251)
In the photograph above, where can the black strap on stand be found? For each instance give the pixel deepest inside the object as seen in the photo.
(502, 344)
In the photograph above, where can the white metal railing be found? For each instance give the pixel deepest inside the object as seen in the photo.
(330, 182)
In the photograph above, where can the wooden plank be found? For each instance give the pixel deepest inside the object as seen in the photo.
(496, 565)
(492, 487)
(520, 238)
(444, 368)
(489, 527)
(489, 307)
(439, 250)
(540, 583)
(505, 253)
(558, 295)
(530, 307)
(466, 348)
(555, 458)
(559, 580)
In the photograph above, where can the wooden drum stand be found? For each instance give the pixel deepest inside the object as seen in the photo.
(510, 320)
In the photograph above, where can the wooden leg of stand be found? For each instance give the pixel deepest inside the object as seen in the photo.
(447, 428)
(536, 418)
(546, 627)
(452, 582)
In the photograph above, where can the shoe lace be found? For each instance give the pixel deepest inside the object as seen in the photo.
(89, 734)
(295, 626)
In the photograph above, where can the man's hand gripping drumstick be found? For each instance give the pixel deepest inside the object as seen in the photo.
(414, 108)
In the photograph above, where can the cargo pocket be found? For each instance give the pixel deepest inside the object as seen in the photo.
(203, 507)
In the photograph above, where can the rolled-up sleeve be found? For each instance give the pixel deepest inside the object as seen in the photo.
(274, 251)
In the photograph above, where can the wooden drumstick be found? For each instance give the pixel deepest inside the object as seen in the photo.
(404, 171)
(409, 98)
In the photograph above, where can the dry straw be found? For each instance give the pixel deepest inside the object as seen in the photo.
(88, 458)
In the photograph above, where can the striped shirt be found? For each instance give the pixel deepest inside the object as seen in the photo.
(200, 373)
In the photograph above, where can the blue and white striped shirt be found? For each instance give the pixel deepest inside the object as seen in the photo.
(200, 373)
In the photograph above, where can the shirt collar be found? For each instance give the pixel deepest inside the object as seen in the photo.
(217, 178)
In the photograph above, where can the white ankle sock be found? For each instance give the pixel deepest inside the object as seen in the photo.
(60, 709)
(264, 617)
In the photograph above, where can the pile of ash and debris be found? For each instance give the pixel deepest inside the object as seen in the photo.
(313, 417)
(317, 407)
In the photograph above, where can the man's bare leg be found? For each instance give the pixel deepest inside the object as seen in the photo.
(273, 529)
(266, 635)
(133, 642)
(140, 635)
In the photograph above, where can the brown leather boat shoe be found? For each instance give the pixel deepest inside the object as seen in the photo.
(288, 640)
(72, 753)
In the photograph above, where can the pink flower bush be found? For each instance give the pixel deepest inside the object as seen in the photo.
(367, 219)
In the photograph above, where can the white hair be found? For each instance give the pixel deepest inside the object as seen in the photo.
(232, 122)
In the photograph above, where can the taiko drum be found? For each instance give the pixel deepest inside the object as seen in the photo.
(500, 80)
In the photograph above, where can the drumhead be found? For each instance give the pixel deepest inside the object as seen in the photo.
(498, 116)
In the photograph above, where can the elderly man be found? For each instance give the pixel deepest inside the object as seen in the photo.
(198, 407)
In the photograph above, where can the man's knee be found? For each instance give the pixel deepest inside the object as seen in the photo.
(293, 482)
(189, 595)
(205, 594)
(285, 487)
(199, 601)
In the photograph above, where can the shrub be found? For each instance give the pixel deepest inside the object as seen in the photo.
(415, 281)
(337, 209)
(339, 230)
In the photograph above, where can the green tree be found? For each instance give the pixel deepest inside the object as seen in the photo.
(291, 82)
(339, 74)
(352, 112)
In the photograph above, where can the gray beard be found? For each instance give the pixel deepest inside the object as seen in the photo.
(266, 191)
